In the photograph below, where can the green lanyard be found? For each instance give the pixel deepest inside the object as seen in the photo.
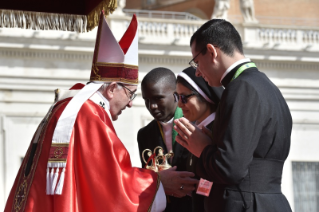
(242, 69)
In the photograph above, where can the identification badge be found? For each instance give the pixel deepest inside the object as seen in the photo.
(204, 187)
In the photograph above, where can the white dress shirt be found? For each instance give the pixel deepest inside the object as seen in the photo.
(167, 131)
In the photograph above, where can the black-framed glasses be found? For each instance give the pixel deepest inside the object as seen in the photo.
(184, 98)
(132, 94)
(192, 62)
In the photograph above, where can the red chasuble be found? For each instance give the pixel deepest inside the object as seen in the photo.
(98, 177)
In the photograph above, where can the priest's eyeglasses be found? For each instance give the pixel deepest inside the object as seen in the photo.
(192, 62)
(184, 98)
(132, 94)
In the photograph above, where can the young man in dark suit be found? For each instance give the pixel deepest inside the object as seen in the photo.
(252, 128)
(158, 91)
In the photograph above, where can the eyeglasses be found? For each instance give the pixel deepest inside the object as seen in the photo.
(184, 98)
(132, 94)
(192, 62)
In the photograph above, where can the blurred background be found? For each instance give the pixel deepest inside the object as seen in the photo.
(281, 37)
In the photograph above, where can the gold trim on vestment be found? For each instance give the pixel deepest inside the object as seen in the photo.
(22, 177)
(60, 145)
(57, 160)
(23, 187)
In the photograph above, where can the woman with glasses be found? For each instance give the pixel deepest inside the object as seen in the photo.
(199, 102)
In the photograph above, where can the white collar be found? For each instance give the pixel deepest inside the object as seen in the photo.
(107, 104)
(233, 66)
(99, 99)
(207, 121)
(170, 122)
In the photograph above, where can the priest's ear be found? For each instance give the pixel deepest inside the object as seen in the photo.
(108, 92)
(212, 50)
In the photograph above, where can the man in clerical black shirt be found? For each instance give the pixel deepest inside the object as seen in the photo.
(159, 94)
(252, 129)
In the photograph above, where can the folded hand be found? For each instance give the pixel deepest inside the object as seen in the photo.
(191, 137)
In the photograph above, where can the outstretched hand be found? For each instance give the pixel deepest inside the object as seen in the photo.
(177, 183)
(191, 137)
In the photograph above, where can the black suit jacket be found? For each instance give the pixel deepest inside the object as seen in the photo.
(150, 137)
(251, 141)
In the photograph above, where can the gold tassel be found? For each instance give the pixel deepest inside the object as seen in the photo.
(53, 21)
(93, 17)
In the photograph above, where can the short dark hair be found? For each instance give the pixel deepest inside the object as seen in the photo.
(220, 33)
(162, 75)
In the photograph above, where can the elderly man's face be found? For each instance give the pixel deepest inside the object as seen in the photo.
(121, 100)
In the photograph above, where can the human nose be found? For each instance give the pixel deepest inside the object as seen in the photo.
(129, 104)
(179, 103)
(152, 105)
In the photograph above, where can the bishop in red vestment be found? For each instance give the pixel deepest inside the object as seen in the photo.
(75, 161)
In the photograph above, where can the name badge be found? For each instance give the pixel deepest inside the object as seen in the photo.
(204, 187)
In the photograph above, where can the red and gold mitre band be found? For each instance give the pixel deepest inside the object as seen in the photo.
(116, 61)
(114, 72)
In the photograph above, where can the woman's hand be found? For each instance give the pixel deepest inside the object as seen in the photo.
(191, 137)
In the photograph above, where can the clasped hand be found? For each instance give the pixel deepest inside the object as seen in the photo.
(177, 183)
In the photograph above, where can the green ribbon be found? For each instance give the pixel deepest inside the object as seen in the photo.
(242, 69)
(178, 114)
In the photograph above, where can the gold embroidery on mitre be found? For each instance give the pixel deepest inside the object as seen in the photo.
(121, 65)
(95, 69)
(20, 196)
(123, 80)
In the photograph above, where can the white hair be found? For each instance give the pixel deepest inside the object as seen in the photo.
(105, 85)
